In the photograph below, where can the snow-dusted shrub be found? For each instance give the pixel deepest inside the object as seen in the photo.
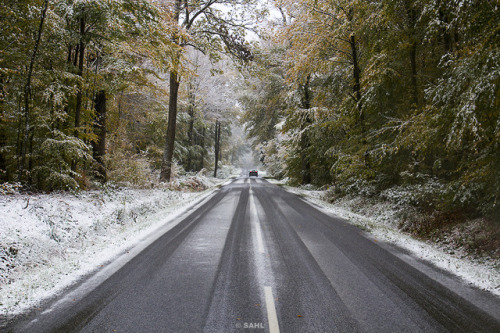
(10, 188)
(352, 187)
(227, 171)
(55, 158)
(132, 170)
(8, 262)
(188, 183)
(429, 193)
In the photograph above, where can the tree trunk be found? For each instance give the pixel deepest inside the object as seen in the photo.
(191, 128)
(357, 95)
(412, 21)
(203, 152)
(166, 167)
(3, 137)
(217, 146)
(191, 143)
(30, 161)
(20, 133)
(75, 59)
(413, 63)
(27, 93)
(99, 147)
(168, 153)
(304, 140)
(356, 74)
(4, 176)
(79, 95)
(70, 51)
(443, 16)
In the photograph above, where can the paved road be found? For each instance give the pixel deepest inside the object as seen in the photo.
(255, 258)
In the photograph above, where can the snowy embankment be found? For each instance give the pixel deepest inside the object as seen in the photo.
(381, 222)
(49, 241)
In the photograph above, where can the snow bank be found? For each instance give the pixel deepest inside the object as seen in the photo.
(381, 221)
(49, 241)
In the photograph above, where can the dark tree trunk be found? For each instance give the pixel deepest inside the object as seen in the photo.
(79, 95)
(217, 146)
(356, 74)
(20, 133)
(191, 128)
(75, 59)
(412, 21)
(202, 145)
(3, 162)
(306, 164)
(413, 63)
(191, 143)
(3, 137)
(444, 17)
(304, 140)
(99, 147)
(357, 95)
(168, 154)
(70, 50)
(27, 93)
(30, 161)
(70, 62)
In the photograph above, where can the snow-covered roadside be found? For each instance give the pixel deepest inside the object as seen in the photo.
(49, 241)
(381, 222)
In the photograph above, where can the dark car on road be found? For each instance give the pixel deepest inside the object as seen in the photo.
(253, 173)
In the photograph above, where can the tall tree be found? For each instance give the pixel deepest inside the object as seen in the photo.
(99, 145)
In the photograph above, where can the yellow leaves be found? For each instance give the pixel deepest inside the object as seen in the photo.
(317, 38)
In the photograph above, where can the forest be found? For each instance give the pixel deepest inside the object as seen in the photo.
(90, 91)
(390, 99)
(393, 100)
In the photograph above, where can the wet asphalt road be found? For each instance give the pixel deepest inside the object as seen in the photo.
(255, 258)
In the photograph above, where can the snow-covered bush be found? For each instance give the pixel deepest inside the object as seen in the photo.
(56, 162)
(132, 170)
(227, 171)
(10, 188)
(428, 193)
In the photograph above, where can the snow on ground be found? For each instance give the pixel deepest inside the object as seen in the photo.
(381, 222)
(49, 241)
